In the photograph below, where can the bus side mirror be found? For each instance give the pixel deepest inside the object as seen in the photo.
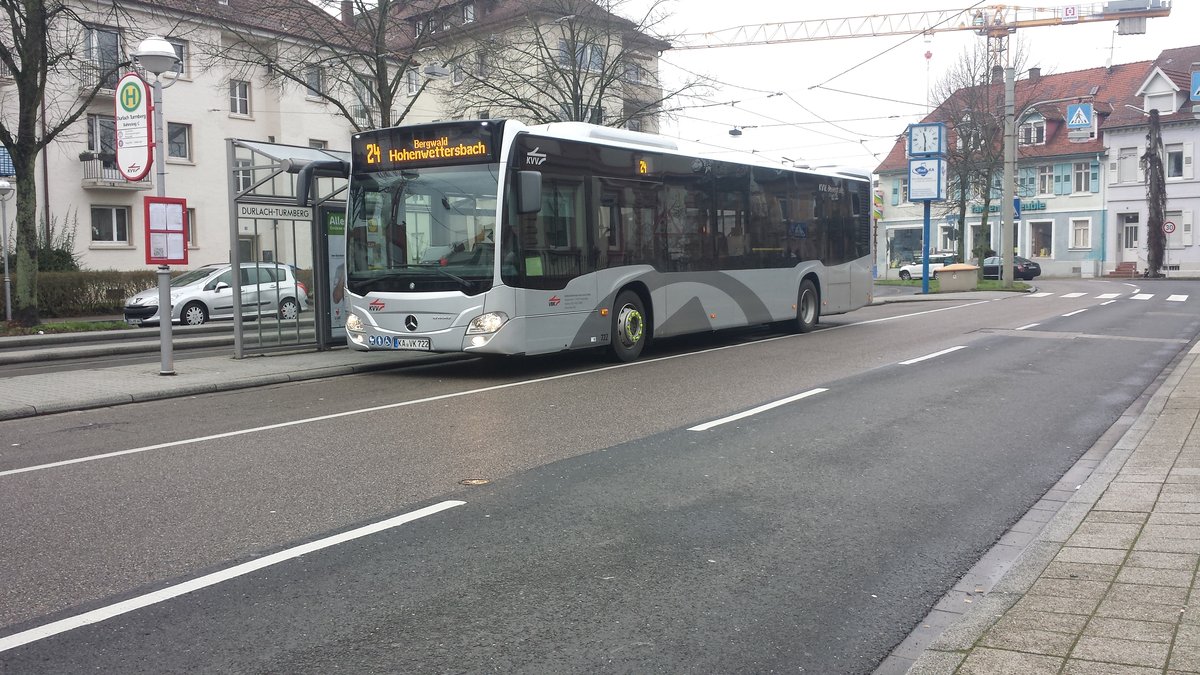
(529, 192)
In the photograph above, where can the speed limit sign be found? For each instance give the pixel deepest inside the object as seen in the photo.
(1168, 227)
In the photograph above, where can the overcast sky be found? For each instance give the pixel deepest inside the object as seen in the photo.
(782, 95)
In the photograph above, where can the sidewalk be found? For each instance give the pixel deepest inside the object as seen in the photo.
(1109, 584)
(29, 395)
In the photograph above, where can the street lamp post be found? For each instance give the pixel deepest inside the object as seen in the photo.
(6, 190)
(157, 56)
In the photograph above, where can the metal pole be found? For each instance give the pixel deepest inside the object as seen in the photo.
(1010, 171)
(7, 281)
(167, 366)
(925, 252)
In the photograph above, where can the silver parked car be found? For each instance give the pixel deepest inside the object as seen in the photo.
(206, 293)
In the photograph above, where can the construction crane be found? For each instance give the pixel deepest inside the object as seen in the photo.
(996, 22)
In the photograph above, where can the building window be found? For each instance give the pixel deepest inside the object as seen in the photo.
(1081, 233)
(239, 97)
(110, 224)
(192, 240)
(104, 55)
(1083, 176)
(468, 12)
(633, 73)
(102, 137)
(634, 124)
(1033, 132)
(317, 143)
(904, 191)
(314, 82)
(179, 144)
(1175, 160)
(1045, 184)
(181, 52)
(413, 80)
(1127, 165)
(585, 56)
(457, 74)
(484, 114)
(244, 177)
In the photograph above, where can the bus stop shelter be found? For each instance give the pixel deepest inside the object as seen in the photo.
(266, 226)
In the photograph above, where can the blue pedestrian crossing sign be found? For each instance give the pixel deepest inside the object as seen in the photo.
(1079, 116)
(1196, 86)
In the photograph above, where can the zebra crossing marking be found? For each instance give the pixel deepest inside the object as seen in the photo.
(1108, 296)
(1142, 296)
(1176, 298)
(1074, 295)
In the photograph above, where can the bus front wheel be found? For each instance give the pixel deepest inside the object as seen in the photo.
(629, 327)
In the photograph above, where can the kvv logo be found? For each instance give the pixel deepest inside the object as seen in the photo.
(535, 157)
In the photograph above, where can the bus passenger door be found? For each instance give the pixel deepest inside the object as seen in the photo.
(556, 248)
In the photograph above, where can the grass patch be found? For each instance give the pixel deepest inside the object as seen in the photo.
(8, 329)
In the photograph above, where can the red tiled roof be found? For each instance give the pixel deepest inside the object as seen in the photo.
(1114, 88)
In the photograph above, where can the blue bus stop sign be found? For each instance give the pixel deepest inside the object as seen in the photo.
(1196, 86)
(1017, 208)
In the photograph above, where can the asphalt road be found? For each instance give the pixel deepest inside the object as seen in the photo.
(614, 534)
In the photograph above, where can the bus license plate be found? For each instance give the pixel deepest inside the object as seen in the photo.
(389, 342)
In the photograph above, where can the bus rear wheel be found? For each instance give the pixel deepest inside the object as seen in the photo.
(808, 309)
(629, 327)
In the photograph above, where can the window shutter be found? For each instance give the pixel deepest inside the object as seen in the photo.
(1062, 179)
(895, 191)
(1141, 173)
(1028, 182)
(1095, 177)
(1187, 159)
(1187, 228)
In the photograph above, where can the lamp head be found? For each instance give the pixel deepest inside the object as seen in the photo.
(156, 55)
(6, 188)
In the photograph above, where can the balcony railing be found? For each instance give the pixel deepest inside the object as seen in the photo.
(100, 173)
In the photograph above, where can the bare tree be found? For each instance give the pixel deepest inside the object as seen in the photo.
(560, 60)
(1156, 197)
(972, 95)
(45, 42)
(358, 56)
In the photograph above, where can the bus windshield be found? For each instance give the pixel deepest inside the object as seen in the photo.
(422, 230)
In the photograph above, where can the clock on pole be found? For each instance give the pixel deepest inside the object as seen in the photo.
(925, 139)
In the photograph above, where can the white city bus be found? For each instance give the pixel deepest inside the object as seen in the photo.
(494, 237)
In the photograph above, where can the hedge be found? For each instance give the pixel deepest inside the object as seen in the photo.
(87, 293)
(91, 293)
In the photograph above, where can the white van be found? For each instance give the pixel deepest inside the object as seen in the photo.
(206, 293)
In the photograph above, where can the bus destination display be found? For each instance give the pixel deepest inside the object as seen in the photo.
(400, 148)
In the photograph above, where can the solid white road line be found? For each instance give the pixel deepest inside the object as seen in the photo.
(932, 356)
(98, 615)
(754, 411)
(1107, 303)
(1078, 311)
(1027, 326)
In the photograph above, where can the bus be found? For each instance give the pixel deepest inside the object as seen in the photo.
(500, 238)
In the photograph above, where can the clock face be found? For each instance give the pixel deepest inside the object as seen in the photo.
(925, 139)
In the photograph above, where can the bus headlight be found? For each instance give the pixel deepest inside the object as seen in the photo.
(354, 323)
(487, 323)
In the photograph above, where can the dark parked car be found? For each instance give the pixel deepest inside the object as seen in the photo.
(1023, 268)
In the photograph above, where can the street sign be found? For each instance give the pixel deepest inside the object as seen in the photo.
(1079, 116)
(134, 139)
(1016, 208)
(1196, 86)
(1168, 227)
(166, 230)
